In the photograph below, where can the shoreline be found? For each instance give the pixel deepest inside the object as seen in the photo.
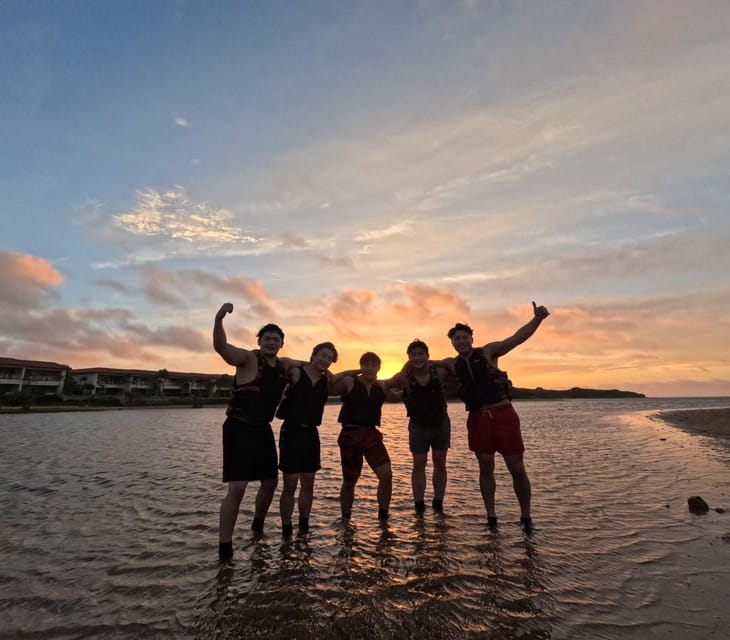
(714, 423)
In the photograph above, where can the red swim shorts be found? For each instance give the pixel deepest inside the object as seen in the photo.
(357, 443)
(495, 429)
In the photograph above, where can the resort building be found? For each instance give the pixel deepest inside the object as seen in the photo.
(34, 376)
(118, 382)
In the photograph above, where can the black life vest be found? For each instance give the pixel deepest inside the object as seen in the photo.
(480, 382)
(256, 401)
(360, 407)
(303, 402)
(425, 404)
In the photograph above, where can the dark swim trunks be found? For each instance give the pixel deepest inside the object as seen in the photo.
(249, 451)
(495, 428)
(420, 438)
(299, 450)
(356, 443)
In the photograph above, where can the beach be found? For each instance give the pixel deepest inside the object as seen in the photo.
(707, 422)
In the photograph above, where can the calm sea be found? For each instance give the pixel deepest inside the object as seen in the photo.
(109, 530)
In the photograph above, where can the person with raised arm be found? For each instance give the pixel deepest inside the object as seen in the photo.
(493, 425)
(249, 449)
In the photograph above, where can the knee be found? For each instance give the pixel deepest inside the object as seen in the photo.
(269, 485)
(235, 492)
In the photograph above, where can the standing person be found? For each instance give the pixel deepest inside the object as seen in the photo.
(429, 426)
(299, 448)
(249, 449)
(493, 424)
(362, 402)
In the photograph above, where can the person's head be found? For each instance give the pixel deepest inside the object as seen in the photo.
(370, 364)
(270, 339)
(323, 355)
(417, 353)
(462, 338)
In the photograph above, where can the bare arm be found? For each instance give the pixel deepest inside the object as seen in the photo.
(338, 386)
(234, 356)
(494, 350)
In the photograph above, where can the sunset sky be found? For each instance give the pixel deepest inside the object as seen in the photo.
(369, 173)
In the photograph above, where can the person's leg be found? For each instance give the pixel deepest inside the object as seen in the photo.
(306, 495)
(286, 500)
(351, 456)
(229, 510)
(438, 457)
(385, 488)
(487, 483)
(379, 461)
(520, 482)
(418, 478)
(264, 496)
(347, 496)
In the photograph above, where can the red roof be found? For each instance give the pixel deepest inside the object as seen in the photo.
(33, 364)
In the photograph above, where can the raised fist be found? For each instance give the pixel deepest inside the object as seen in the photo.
(228, 308)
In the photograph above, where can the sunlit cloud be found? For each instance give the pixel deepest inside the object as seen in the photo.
(171, 214)
(181, 122)
(26, 279)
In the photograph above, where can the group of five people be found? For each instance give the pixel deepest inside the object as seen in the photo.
(267, 386)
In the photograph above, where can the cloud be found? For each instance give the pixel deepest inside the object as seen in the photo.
(114, 285)
(397, 229)
(26, 279)
(172, 215)
(181, 122)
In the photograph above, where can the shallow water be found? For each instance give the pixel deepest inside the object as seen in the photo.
(110, 531)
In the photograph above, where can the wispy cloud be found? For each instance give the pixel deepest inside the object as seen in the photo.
(181, 122)
(171, 214)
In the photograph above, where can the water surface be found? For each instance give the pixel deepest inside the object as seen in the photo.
(110, 531)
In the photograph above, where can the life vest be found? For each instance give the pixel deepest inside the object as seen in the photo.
(480, 382)
(256, 401)
(360, 407)
(425, 404)
(303, 402)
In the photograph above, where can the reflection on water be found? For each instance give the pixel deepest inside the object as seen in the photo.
(110, 531)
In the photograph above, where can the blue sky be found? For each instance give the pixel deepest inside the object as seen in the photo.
(368, 173)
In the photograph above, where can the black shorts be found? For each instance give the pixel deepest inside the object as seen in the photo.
(249, 451)
(421, 439)
(299, 450)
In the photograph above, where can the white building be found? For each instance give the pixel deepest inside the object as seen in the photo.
(35, 376)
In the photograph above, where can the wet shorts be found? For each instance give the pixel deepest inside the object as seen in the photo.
(356, 443)
(249, 451)
(420, 438)
(299, 449)
(495, 429)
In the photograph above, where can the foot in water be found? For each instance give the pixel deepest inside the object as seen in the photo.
(526, 524)
(225, 553)
(492, 523)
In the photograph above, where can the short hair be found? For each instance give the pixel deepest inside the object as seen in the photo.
(270, 328)
(460, 326)
(369, 356)
(324, 345)
(417, 344)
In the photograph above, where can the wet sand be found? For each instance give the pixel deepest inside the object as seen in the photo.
(707, 422)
